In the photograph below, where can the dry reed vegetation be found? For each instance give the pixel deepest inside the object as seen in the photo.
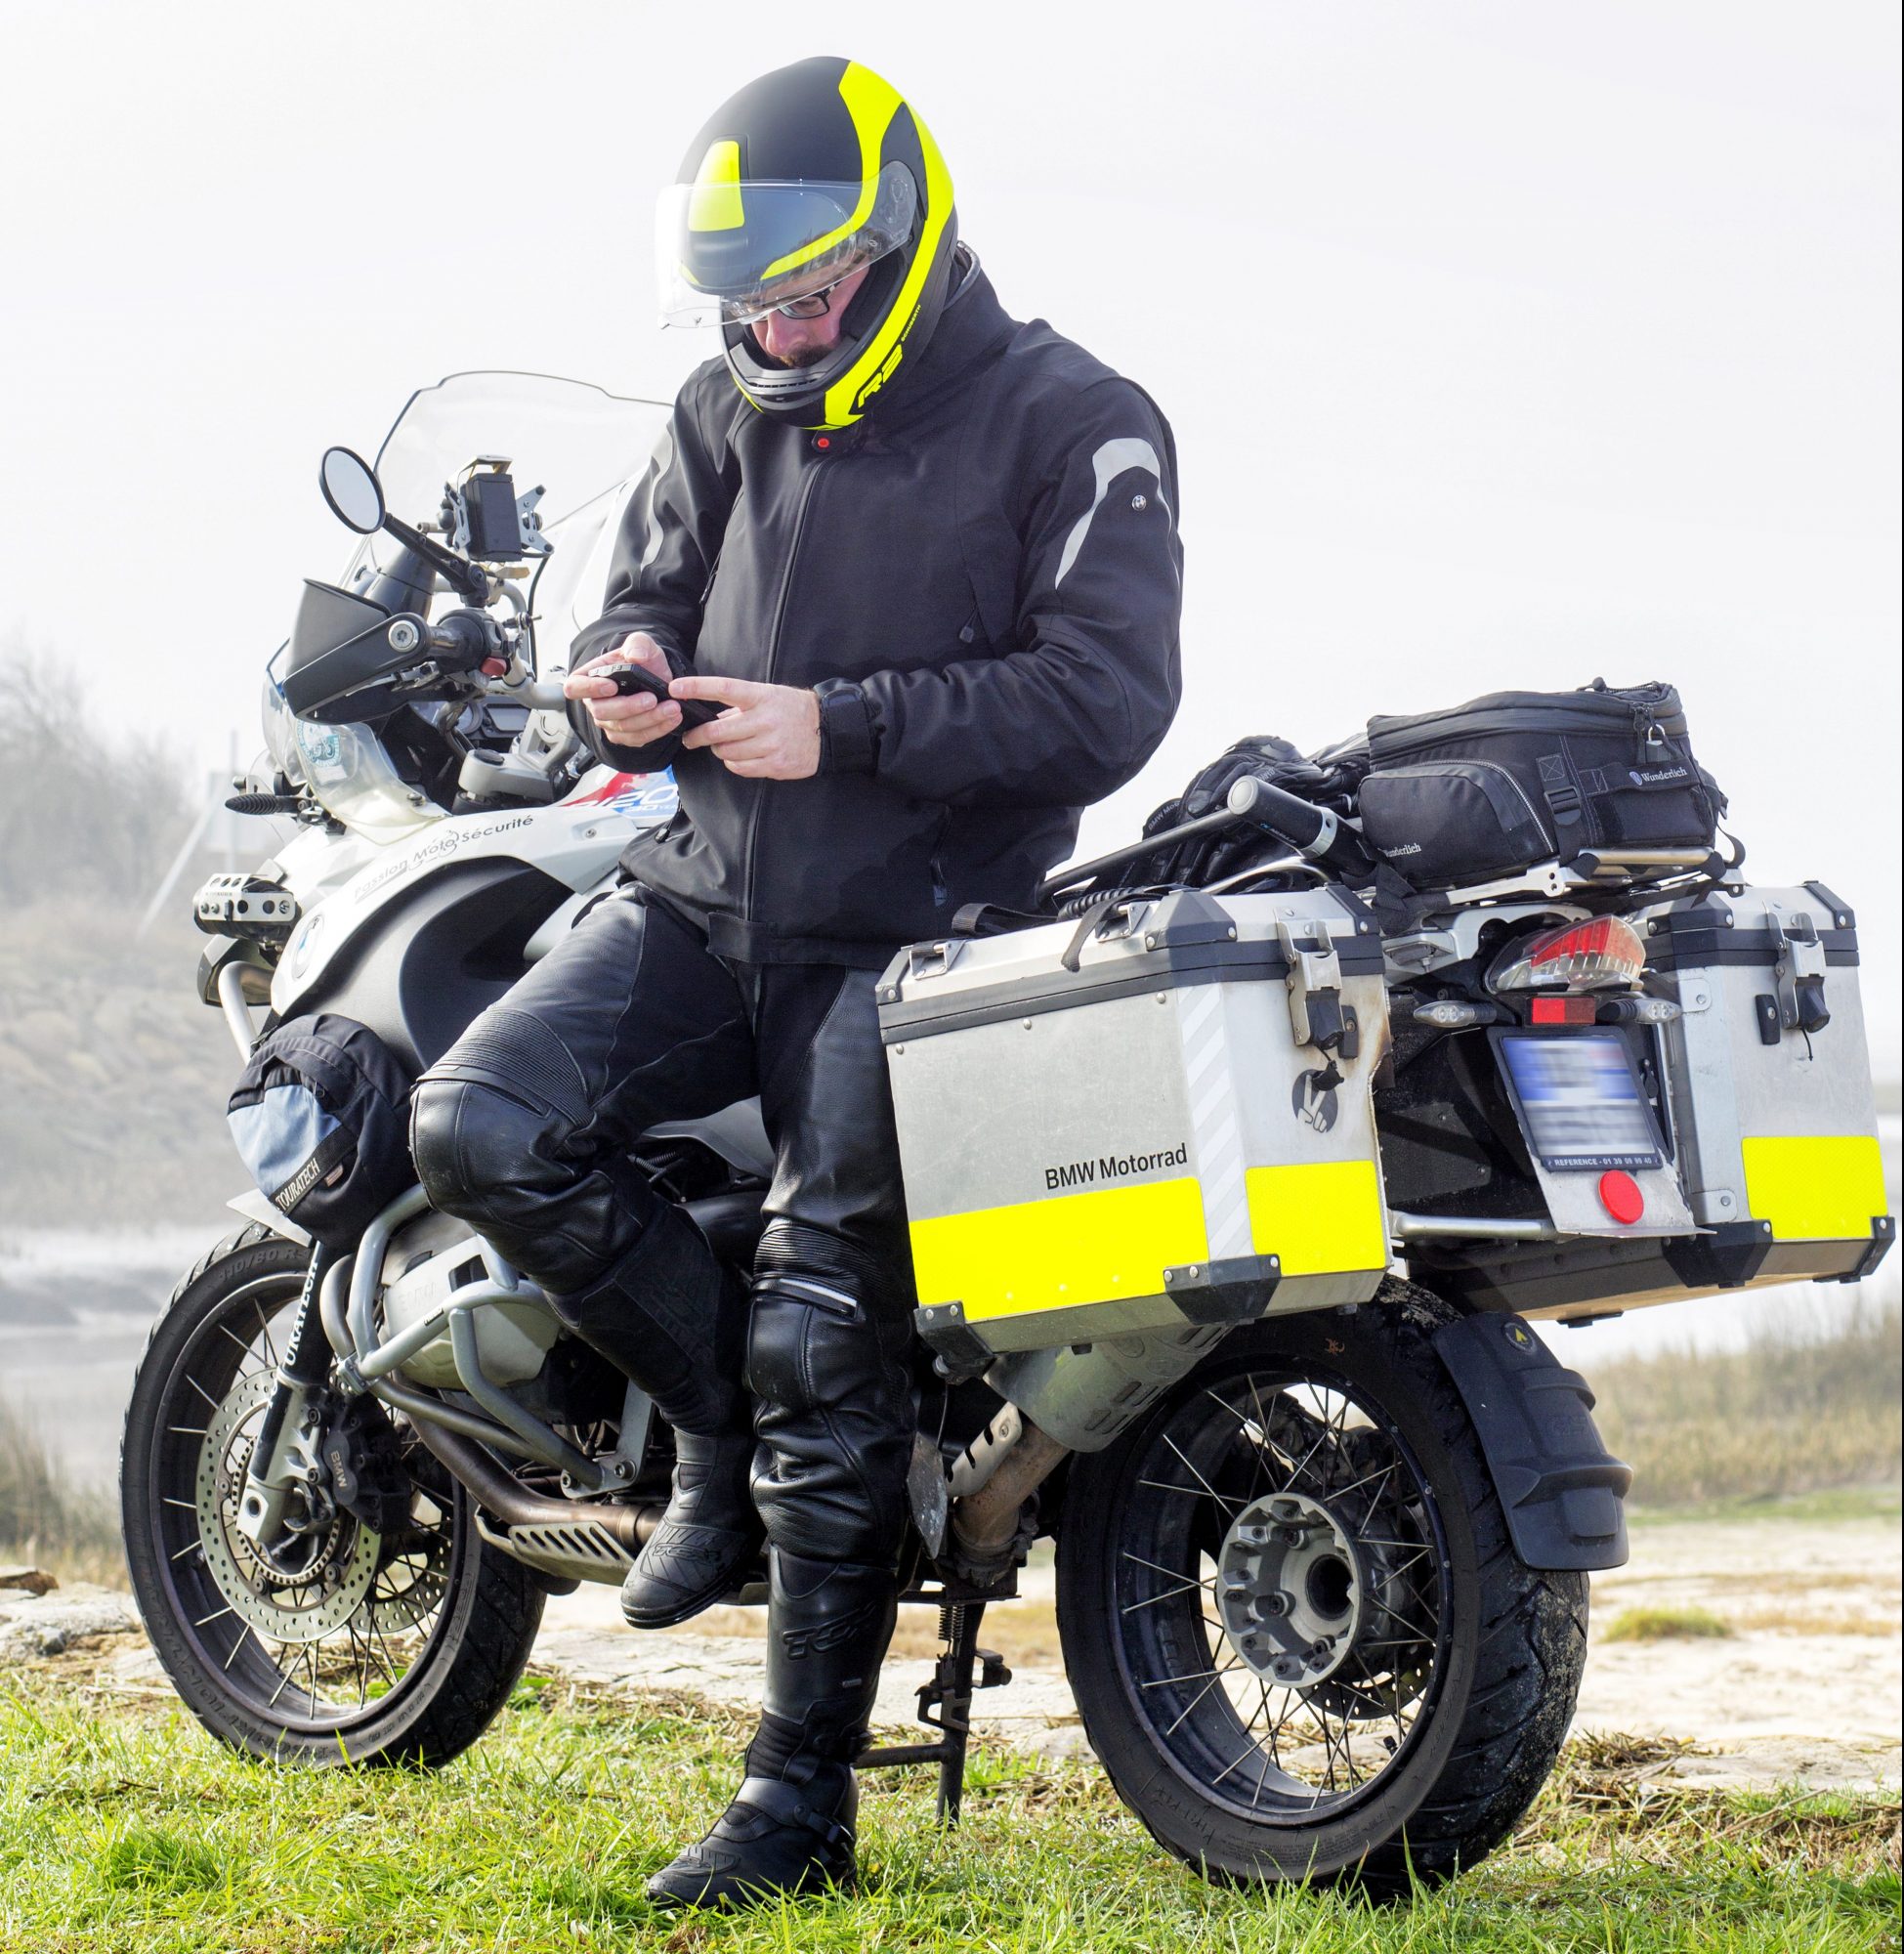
(43, 1522)
(1784, 1415)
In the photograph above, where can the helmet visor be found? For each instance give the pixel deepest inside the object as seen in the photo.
(728, 253)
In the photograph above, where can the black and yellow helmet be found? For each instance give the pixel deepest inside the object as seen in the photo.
(799, 181)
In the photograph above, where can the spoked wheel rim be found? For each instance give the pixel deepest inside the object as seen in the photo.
(327, 1633)
(1281, 1593)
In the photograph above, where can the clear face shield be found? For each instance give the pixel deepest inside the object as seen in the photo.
(730, 253)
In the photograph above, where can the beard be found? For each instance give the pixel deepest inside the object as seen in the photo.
(805, 356)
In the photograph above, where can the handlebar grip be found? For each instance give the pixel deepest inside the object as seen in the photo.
(454, 639)
(1300, 822)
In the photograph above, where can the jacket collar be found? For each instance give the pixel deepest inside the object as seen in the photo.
(971, 324)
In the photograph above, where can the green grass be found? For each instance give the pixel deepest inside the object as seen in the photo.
(125, 1828)
(1665, 1625)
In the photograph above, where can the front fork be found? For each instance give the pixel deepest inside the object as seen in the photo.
(285, 1455)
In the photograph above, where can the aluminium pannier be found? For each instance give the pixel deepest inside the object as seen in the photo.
(1489, 789)
(1766, 1111)
(1153, 1117)
(320, 1117)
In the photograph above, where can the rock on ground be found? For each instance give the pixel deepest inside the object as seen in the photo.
(39, 1624)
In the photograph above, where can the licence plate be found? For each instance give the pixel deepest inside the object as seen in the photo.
(1579, 1098)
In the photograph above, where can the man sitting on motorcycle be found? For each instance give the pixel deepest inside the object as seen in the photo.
(922, 559)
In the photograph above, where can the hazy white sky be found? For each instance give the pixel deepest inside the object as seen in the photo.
(1503, 344)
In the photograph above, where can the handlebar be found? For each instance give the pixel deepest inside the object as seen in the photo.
(1311, 831)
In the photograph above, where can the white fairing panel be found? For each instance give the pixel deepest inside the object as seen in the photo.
(343, 886)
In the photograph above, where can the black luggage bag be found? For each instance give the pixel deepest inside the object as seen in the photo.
(320, 1117)
(1486, 789)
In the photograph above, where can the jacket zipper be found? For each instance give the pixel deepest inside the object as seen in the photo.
(807, 488)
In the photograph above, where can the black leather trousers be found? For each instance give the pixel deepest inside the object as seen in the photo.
(523, 1130)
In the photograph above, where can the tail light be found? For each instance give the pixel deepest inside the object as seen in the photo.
(1603, 954)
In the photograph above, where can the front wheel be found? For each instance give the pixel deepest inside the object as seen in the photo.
(337, 1644)
(1299, 1636)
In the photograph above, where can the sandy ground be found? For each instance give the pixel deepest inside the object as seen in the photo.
(1806, 1688)
(1808, 1684)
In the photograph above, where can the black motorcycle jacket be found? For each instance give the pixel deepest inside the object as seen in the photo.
(982, 580)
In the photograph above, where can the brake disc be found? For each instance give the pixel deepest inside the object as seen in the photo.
(303, 1607)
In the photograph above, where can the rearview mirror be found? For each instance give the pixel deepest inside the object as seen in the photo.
(352, 490)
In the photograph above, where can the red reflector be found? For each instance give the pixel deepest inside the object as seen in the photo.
(1621, 1197)
(1562, 1011)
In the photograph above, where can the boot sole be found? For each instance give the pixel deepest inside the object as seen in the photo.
(723, 1893)
(702, 1598)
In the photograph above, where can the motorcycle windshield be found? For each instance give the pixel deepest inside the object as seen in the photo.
(584, 448)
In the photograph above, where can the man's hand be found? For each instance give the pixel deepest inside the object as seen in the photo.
(768, 732)
(633, 720)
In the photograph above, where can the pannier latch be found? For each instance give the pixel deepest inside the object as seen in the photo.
(1799, 971)
(1315, 982)
(931, 959)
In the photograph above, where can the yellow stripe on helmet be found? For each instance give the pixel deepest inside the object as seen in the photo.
(876, 365)
(872, 104)
(715, 204)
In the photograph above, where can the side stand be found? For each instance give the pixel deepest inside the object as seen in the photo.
(950, 1695)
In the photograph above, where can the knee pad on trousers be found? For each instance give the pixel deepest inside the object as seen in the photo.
(476, 1149)
(835, 1404)
(491, 1129)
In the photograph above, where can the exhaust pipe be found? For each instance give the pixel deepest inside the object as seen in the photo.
(515, 1505)
(985, 1523)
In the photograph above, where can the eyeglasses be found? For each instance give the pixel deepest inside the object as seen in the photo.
(810, 305)
(816, 305)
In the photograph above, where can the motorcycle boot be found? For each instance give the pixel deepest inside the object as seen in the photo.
(673, 1319)
(792, 1825)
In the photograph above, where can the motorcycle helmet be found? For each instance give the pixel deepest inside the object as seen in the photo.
(800, 180)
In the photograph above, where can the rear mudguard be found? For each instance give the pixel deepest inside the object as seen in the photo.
(1563, 1492)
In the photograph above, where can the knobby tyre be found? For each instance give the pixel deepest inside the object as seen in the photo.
(1299, 1638)
(343, 1645)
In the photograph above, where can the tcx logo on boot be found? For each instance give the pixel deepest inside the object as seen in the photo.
(800, 1643)
(1112, 1167)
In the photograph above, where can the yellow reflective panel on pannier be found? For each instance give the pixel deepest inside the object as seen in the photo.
(1814, 1187)
(1049, 1255)
(1318, 1217)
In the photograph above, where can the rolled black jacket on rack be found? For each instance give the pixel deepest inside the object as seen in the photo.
(982, 580)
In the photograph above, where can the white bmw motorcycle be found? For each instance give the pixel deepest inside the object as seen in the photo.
(1321, 1563)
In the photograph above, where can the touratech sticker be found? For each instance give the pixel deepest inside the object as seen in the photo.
(1112, 1166)
(326, 1165)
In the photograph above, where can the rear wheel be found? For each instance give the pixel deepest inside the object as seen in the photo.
(1299, 1636)
(339, 1643)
